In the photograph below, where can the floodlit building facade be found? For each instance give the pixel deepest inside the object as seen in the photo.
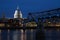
(18, 13)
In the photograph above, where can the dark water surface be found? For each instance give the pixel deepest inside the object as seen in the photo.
(18, 34)
(28, 34)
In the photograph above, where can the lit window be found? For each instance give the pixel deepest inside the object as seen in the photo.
(2, 25)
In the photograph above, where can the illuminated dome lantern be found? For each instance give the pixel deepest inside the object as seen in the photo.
(17, 13)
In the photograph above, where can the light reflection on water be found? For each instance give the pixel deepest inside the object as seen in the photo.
(17, 34)
(28, 34)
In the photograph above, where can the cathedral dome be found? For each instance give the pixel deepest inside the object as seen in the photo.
(18, 13)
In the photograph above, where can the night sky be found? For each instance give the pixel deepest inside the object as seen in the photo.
(9, 6)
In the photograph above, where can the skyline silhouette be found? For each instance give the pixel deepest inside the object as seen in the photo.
(26, 6)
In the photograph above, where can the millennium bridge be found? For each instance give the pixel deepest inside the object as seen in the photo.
(43, 25)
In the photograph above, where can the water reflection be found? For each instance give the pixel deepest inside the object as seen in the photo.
(52, 34)
(28, 34)
(4, 34)
(16, 35)
(0, 34)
